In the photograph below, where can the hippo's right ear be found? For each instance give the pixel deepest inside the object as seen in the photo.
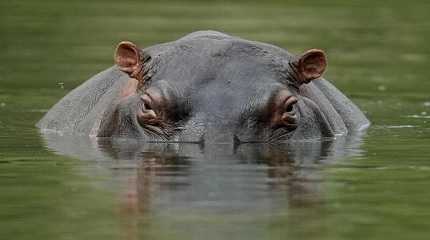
(129, 59)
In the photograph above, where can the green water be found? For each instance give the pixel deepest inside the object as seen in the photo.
(375, 188)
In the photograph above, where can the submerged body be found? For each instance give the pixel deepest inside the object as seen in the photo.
(208, 87)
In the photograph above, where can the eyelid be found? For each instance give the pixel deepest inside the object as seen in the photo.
(290, 100)
(147, 101)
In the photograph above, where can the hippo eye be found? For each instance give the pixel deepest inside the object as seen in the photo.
(289, 118)
(146, 114)
(146, 102)
(284, 113)
(289, 105)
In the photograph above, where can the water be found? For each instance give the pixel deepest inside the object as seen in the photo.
(359, 187)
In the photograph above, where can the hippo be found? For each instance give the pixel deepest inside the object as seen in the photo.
(208, 86)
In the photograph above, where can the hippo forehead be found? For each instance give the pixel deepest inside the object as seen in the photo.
(218, 73)
(205, 56)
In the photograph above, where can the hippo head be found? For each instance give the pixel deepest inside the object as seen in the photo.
(209, 86)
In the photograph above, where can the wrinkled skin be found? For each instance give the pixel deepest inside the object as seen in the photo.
(208, 87)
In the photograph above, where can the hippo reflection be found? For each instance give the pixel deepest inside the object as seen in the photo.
(250, 178)
(208, 87)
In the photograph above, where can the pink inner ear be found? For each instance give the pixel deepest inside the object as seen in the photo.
(312, 64)
(127, 56)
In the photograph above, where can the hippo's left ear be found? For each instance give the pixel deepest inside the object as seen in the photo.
(129, 59)
(310, 65)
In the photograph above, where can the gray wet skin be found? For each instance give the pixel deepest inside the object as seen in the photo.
(208, 87)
